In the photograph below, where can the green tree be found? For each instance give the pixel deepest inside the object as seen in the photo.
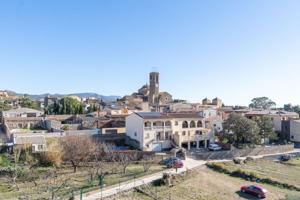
(26, 102)
(266, 131)
(80, 109)
(66, 105)
(296, 109)
(241, 130)
(290, 108)
(262, 103)
(92, 108)
(5, 106)
(69, 105)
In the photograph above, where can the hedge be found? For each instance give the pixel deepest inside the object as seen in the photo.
(248, 175)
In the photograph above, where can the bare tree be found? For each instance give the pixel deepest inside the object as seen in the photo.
(125, 159)
(55, 182)
(22, 153)
(99, 161)
(77, 149)
(148, 161)
(16, 170)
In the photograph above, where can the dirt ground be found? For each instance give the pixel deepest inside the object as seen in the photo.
(205, 184)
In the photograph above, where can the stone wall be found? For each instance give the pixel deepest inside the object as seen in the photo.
(245, 152)
(23, 122)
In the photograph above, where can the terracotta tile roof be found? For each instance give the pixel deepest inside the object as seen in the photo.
(157, 115)
(271, 113)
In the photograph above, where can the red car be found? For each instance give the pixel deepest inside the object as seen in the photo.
(176, 164)
(255, 191)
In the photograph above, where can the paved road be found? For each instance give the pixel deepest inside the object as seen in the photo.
(189, 164)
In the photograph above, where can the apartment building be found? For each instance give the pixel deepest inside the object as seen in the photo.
(155, 131)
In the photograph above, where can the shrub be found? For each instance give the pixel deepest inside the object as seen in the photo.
(218, 167)
(4, 161)
(48, 159)
(53, 155)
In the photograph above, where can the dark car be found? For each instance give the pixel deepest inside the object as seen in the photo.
(286, 157)
(257, 191)
(169, 160)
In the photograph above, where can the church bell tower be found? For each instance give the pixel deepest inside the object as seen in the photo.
(154, 87)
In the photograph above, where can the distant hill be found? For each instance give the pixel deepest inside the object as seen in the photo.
(82, 95)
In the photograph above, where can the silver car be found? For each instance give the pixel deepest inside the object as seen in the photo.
(214, 147)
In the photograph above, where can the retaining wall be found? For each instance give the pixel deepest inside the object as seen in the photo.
(244, 152)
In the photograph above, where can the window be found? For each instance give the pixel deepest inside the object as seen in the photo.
(192, 124)
(168, 123)
(166, 135)
(185, 124)
(198, 132)
(183, 132)
(176, 123)
(158, 136)
(40, 147)
(147, 124)
(135, 134)
(292, 136)
(199, 124)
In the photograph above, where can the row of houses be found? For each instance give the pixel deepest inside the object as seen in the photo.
(151, 131)
(25, 125)
(155, 131)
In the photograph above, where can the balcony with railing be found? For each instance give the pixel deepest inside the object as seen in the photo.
(158, 125)
(148, 128)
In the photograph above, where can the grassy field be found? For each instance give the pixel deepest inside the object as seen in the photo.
(75, 182)
(294, 162)
(288, 173)
(205, 184)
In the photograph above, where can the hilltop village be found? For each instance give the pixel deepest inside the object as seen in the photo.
(101, 139)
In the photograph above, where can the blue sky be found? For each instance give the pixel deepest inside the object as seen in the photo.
(235, 50)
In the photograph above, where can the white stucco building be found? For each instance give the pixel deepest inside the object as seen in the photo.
(22, 112)
(158, 131)
(277, 116)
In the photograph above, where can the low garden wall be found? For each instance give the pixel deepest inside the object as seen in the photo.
(245, 152)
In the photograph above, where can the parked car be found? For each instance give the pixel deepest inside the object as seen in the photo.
(255, 191)
(286, 157)
(169, 160)
(214, 147)
(175, 164)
